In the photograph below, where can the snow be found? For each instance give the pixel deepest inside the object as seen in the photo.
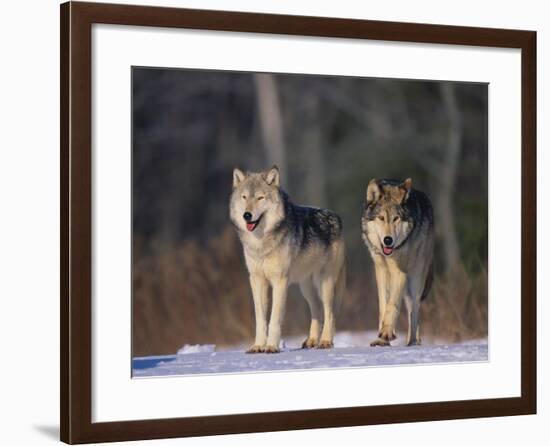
(351, 350)
(189, 349)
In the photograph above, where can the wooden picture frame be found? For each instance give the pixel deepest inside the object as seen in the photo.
(76, 221)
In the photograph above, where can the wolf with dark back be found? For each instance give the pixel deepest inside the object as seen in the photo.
(398, 229)
(285, 243)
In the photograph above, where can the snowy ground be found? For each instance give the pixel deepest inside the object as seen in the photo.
(351, 350)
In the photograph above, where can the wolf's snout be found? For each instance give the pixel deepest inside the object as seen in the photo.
(247, 216)
(388, 245)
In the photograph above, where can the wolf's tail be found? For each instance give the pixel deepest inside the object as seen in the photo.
(429, 281)
(340, 289)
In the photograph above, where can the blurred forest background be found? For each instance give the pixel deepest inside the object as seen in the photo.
(329, 136)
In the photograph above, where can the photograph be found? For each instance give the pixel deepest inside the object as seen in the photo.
(287, 222)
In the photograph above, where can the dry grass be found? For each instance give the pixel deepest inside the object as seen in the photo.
(457, 307)
(199, 293)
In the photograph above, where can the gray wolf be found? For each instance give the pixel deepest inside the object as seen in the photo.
(398, 229)
(285, 243)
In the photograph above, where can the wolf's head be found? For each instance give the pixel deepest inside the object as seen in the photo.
(386, 219)
(256, 202)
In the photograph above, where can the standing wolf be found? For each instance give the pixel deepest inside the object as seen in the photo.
(397, 226)
(283, 244)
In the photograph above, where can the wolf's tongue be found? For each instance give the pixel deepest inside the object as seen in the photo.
(387, 250)
(250, 226)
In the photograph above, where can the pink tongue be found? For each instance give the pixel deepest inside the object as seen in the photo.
(250, 226)
(388, 250)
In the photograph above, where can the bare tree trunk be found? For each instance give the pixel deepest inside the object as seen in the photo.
(447, 178)
(271, 121)
(313, 159)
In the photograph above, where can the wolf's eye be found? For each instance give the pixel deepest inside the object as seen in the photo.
(244, 197)
(381, 217)
(260, 198)
(396, 218)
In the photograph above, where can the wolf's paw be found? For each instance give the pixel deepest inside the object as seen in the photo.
(271, 349)
(256, 349)
(380, 343)
(386, 333)
(324, 344)
(309, 343)
(413, 342)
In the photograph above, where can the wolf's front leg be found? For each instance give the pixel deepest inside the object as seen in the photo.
(280, 288)
(259, 287)
(381, 271)
(382, 287)
(396, 286)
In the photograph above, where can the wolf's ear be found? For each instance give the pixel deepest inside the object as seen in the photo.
(406, 186)
(373, 192)
(272, 177)
(238, 177)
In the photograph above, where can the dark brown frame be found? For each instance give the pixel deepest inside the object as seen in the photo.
(76, 221)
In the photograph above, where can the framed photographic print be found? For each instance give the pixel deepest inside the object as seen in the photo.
(282, 222)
